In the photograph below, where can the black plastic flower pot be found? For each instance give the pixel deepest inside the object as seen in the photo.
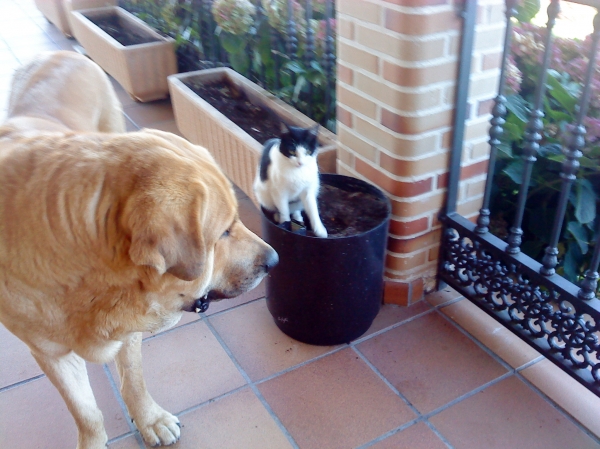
(327, 291)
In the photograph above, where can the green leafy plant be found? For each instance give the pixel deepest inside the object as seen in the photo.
(250, 37)
(560, 107)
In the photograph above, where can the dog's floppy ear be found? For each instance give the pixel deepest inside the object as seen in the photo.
(168, 246)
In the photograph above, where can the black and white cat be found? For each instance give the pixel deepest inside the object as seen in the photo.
(287, 180)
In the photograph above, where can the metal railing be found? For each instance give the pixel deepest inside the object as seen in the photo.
(286, 46)
(559, 318)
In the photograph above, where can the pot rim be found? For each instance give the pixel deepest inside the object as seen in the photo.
(371, 187)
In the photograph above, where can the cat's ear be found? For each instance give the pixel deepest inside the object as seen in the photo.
(284, 127)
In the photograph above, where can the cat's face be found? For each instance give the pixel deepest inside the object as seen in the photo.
(299, 144)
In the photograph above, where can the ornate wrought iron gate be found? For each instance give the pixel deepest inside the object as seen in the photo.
(556, 317)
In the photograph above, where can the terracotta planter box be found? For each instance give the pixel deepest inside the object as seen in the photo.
(57, 11)
(235, 150)
(141, 69)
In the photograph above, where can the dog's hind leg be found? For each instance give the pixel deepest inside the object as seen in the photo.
(157, 426)
(69, 375)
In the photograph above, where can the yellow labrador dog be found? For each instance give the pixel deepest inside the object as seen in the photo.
(105, 235)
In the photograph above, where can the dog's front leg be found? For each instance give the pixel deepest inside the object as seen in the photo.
(69, 375)
(157, 426)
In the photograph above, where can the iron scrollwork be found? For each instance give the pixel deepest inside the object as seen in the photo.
(552, 319)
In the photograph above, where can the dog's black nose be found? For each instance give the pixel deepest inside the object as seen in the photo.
(201, 305)
(271, 259)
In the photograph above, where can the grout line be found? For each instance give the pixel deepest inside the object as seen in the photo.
(193, 408)
(253, 387)
(469, 394)
(121, 437)
(438, 434)
(300, 365)
(529, 364)
(116, 391)
(471, 337)
(420, 416)
(517, 373)
(390, 433)
(390, 327)
(221, 312)
(447, 303)
(21, 383)
(387, 382)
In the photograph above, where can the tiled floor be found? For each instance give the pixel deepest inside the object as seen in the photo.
(439, 374)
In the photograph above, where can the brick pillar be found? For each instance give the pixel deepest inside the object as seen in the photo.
(397, 64)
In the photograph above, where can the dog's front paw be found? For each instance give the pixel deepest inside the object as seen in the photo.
(160, 428)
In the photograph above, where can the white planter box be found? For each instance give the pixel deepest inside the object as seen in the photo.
(57, 11)
(74, 5)
(141, 69)
(235, 150)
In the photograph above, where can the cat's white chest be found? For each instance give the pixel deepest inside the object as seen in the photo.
(296, 180)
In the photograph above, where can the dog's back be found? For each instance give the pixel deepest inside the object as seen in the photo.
(63, 90)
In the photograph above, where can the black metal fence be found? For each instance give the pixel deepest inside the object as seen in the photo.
(559, 318)
(286, 46)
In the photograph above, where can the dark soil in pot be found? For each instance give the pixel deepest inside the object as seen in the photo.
(233, 103)
(120, 30)
(344, 213)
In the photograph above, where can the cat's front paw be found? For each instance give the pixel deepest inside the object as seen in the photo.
(320, 231)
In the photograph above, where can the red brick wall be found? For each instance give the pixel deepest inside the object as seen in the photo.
(397, 64)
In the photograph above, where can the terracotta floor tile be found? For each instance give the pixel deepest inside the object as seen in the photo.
(146, 114)
(186, 367)
(38, 405)
(509, 415)
(238, 421)
(442, 296)
(225, 304)
(417, 436)
(569, 394)
(5, 81)
(258, 345)
(22, 31)
(16, 362)
(8, 65)
(391, 314)
(335, 402)
(430, 361)
(491, 333)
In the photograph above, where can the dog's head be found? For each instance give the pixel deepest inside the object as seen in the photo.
(183, 221)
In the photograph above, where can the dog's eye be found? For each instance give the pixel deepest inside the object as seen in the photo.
(226, 233)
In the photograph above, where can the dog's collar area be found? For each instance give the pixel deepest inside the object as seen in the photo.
(201, 304)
